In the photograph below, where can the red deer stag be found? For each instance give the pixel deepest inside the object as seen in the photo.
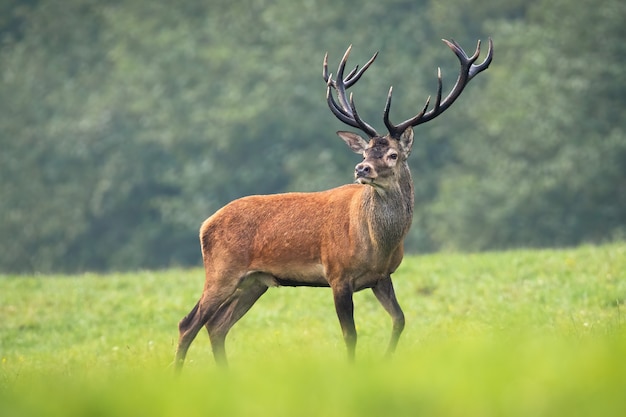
(348, 238)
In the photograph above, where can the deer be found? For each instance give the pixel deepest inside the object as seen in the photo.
(348, 238)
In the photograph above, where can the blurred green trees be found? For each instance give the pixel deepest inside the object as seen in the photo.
(123, 125)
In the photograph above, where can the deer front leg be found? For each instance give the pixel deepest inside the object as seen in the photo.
(387, 297)
(344, 306)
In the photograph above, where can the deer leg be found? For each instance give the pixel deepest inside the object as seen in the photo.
(345, 312)
(188, 328)
(387, 297)
(212, 300)
(229, 313)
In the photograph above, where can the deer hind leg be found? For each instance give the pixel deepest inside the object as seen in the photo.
(188, 328)
(345, 312)
(212, 299)
(387, 297)
(238, 304)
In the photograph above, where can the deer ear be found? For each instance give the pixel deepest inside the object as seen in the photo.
(354, 141)
(406, 140)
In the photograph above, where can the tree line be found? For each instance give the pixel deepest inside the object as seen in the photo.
(123, 125)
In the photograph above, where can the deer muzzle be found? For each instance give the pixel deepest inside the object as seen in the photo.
(364, 173)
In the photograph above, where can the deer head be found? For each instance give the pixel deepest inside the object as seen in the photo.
(394, 147)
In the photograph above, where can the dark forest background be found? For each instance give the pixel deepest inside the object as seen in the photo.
(124, 124)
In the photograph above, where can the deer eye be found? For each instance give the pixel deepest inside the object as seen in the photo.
(393, 156)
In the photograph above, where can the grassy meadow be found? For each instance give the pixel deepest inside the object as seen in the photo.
(519, 333)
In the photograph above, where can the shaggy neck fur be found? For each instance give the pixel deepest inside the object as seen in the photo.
(389, 211)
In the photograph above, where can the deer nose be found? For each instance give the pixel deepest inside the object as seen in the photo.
(362, 170)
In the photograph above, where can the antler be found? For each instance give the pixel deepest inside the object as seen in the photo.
(346, 110)
(467, 72)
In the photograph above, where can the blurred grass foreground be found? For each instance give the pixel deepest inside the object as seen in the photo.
(520, 333)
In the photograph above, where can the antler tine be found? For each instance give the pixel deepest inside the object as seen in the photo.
(350, 75)
(325, 74)
(354, 76)
(439, 88)
(345, 110)
(467, 72)
(388, 123)
(339, 82)
(364, 126)
(475, 69)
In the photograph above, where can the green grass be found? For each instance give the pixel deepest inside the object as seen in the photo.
(520, 333)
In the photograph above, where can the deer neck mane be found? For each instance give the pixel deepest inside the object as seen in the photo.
(388, 211)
